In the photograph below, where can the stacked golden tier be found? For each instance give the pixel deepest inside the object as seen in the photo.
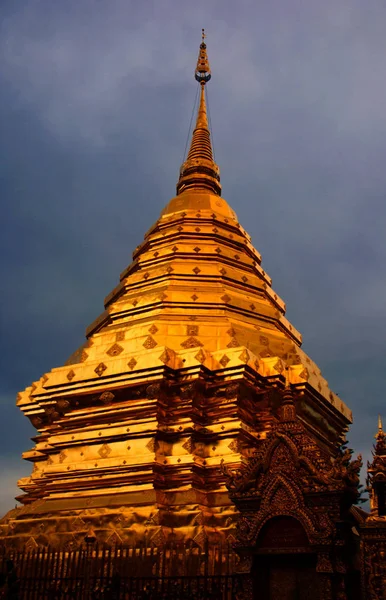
(183, 370)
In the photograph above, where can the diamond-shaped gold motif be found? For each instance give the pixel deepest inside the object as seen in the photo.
(31, 545)
(191, 342)
(146, 275)
(78, 524)
(188, 445)
(218, 250)
(244, 278)
(231, 332)
(200, 356)
(304, 374)
(101, 368)
(62, 456)
(264, 340)
(175, 248)
(131, 364)
(120, 336)
(151, 445)
(233, 343)
(215, 230)
(237, 257)
(163, 296)
(134, 302)
(197, 249)
(70, 375)
(83, 356)
(278, 366)
(244, 356)
(114, 350)
(224, 361)
(197, 229)
(194, 297)
(192, 330)
(165, 357)
(104, 451)
(149, 342)
(169, 270)
(180, 228)
(225, 298)
(252, 306)
(196, 270)
(223, 271)
(153, 329)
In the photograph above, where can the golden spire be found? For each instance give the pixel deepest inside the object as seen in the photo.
(380, 427)
(199, 171)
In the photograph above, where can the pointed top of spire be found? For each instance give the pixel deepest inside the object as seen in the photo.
(199, 171)
(380, 427)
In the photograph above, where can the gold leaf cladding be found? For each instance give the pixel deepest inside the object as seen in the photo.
(70, 375)
(131, 364)
(107, 397)
(165, 357)
(224, 361)
(104, 451)
(153, 329)
(244, 356)
(114, 350)
(191, 342)
(192, 330)
(101, 368)
(200, 356)
(149, 342)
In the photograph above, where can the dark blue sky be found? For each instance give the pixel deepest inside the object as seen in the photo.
(96, 99)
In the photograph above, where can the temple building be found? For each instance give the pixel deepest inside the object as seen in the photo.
(191, 414)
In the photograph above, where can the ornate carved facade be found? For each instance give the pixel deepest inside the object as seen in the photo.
(191, 413)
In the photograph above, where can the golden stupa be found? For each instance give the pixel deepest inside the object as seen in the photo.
(183, 371)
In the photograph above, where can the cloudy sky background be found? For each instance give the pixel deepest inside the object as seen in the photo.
(96, 99)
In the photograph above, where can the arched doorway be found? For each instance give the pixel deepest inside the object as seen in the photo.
(284, 565)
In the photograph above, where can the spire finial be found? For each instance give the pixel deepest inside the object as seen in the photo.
(380, 427)
(199, 171)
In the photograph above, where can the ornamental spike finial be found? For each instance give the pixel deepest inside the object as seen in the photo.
(199, 171)
(380, 427)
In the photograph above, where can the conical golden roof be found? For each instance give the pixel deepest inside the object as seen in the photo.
(195, 304)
